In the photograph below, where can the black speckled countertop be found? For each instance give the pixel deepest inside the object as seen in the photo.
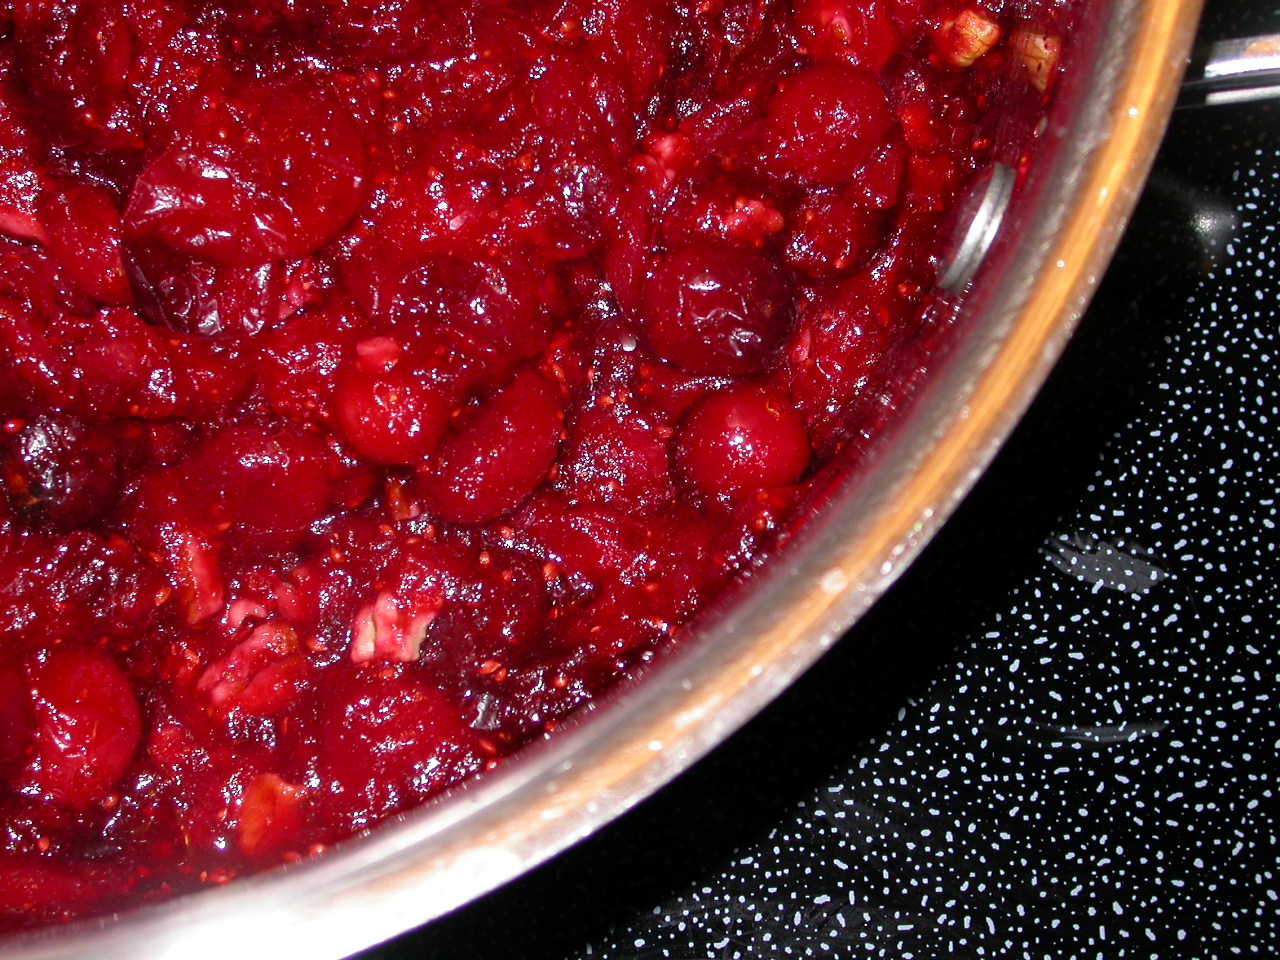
(1058, 735)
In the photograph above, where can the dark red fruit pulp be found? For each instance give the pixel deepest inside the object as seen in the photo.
(379, 382)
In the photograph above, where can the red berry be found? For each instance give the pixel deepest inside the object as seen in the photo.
(500, 454)
(268, 485)
(565, 213)
(389, 28)
(833, 233)
(393, 416)
(610, 455)
(741, 439)
(716, 310)
(15, 717)
(489, 298)
(82, 222)
(825, 124)
(390, 742)
(835, 353)
(300, 358)
(22, 175)
(78, 61)
(58, 471)
(87, 726)
(269, 174)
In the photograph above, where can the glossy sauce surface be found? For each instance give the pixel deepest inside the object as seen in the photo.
(379, 382)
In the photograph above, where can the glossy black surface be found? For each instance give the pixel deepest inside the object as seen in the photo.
(1057, 736)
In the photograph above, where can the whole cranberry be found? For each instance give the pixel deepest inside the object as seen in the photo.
(87, 726)
(59, 471)
(825, 124)
(718, 311)
(389, 412)
(741, 439)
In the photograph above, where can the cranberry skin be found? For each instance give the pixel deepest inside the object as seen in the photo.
(567, 212)
(87, 726)
(22, 176)
(389, 28)
(15, 717)
(636, 37)
(127, 368)
(77, 60)
(267, 486)
(392, 416)
(193, 295)
(59, 472)
(387, 743)
(833, 234)
(716, 311)
(490, 298)
(580, 116)
(79, 585)
(611, 455)
(825, 124)
(507, 623)
(252, 488)
(270, 174)
(500, 455)
(417, 215)
(741, 439)
(837, 352)
(83, 226)
(299, 361)
(862, 33)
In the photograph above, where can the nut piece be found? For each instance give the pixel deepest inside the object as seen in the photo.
(1039, 53)
(388, 629)
(968, 38)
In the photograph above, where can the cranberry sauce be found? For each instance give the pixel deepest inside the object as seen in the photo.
(380, 381)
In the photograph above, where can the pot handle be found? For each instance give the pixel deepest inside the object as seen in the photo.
(1228, 71)
(1233, 71)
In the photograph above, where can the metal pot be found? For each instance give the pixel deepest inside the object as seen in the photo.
(1121, 70)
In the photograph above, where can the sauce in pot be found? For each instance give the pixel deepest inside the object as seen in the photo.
(380, 381)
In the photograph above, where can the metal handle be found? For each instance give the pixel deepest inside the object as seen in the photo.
(1233, 71)
(1229, 71)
